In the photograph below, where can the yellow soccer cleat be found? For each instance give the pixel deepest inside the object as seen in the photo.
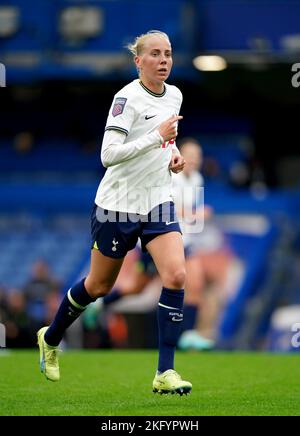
(171, 382)
(48, 357)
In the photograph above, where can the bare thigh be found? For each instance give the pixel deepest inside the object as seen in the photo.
(168, 255)
(103, 273)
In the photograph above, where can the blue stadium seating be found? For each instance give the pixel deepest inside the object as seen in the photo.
(234, 25)
(39, 50)
(62, 241)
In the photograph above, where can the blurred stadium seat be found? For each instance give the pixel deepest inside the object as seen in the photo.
(62, 241)
(66, 38)
(65, 59)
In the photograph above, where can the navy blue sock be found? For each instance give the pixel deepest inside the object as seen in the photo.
(170, 316)
(189, 317)
(113, 296)
(72, 305)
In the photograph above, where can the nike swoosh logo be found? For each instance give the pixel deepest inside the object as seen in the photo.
(176, 319)
(147, 117)
(170, 222)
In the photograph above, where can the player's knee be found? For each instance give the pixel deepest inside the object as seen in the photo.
(135, 290)
(175, 278)
(97, 289)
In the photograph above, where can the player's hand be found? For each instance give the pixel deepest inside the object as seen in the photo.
(177, 163)
(168, 129)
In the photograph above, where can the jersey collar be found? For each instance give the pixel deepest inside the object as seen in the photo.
(151, 92)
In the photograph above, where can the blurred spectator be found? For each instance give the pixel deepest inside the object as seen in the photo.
(19, 333)
(208, 256)
(23, 142)
(221, 272)
(211, 168)
(42, 294)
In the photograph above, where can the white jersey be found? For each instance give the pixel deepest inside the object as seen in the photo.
(138, 176)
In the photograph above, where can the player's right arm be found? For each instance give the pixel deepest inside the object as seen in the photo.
(114, 149)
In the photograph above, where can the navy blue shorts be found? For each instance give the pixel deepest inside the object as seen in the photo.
(116, 233)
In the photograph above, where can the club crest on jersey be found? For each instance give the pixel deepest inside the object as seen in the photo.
(119, 106)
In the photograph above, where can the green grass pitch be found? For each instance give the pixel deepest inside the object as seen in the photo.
(118, 383)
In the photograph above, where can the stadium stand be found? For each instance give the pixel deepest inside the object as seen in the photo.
(61, 79)
(62, 241)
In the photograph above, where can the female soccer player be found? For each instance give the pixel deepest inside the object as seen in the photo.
(134, 201)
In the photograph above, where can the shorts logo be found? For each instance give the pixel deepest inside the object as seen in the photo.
(115, 243)
(119, 106)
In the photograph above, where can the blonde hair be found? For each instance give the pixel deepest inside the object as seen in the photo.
(137, 46)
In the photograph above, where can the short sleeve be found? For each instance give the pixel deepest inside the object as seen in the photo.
(121, 115)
